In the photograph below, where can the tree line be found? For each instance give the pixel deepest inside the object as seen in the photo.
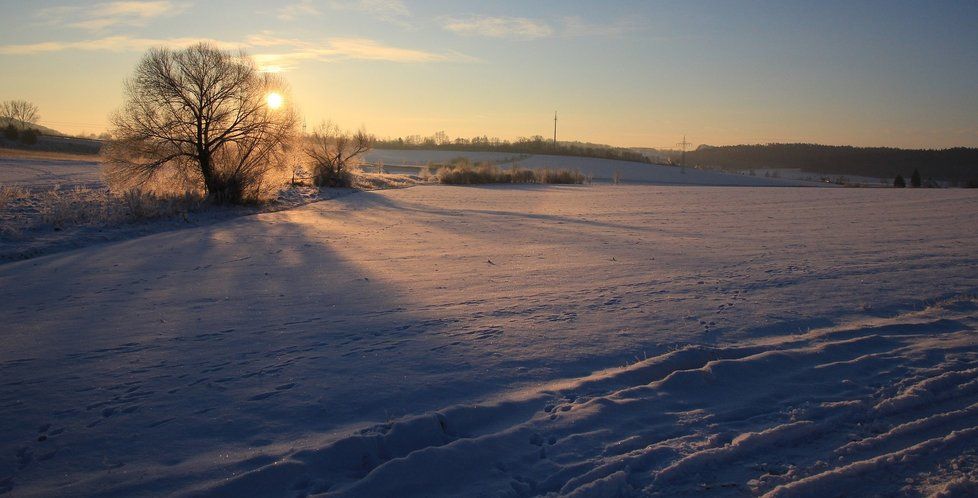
(536, 144)
(959, 165)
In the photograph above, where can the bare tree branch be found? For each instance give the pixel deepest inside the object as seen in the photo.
(200, 114)
(333, 152)
(19, 113)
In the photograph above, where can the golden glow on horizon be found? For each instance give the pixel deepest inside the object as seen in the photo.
(274, 100)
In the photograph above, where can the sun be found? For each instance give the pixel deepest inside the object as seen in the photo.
(274, 100)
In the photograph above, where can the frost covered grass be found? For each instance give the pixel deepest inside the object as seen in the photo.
(62, 208)
(379, 181)
(49, 205)
(9, 194)
(462, 172)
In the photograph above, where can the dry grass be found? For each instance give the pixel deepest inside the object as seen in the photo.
(461, 172)
(376, 181)
(79, 206)
(9, 194)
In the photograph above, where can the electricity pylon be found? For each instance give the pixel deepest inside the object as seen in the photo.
(683, 144)
(555, 130)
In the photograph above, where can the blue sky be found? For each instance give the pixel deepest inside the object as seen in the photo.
(627, 73)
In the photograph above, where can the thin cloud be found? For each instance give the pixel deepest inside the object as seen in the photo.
(289, 51)
(298, 9)
(111, 44)
(498, 27)
(102, 16)
(391, 11)
(576, 26)
(334, 49)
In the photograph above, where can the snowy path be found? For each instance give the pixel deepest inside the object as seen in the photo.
(243, 355)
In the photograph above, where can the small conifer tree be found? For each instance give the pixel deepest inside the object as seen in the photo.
(915, 179)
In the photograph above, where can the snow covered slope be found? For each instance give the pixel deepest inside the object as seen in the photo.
(463, 341)
(600, 169)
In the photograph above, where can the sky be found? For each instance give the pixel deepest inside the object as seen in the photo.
(627, 73)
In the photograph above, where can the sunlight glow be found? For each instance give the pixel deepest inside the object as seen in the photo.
(274, 100)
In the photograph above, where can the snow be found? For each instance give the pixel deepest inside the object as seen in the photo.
(600, 169)
(467, 341)
(47, 173)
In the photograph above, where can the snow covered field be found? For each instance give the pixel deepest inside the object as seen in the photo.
(600, 169)
(47, 173)
(461, 341)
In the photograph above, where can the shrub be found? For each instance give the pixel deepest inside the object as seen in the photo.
(519, 175)
(472, 175)
(463, 173)
(332, 176)
(10, 132)
(560, 176)
(333, 153)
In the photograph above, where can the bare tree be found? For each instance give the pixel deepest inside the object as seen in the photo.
(333, 152)
(23, 111)
(205, 118)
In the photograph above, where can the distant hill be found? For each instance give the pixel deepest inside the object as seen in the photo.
(958, 164)
(44, 130)
(661, 156)
(50, 140)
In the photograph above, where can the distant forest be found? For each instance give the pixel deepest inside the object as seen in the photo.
(533, 145)
(958, 164)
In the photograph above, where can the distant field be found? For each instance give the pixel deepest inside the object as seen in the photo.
(45, 154)
(52, 143)
(48, 169)
(602, 170)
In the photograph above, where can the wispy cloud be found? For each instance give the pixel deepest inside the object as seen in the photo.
(384, 9)
(294, 51)
(522, 28)
(390, 11)
(301, 8)
(498, 27)
(107, 15)
(576, 26)
(287, 51)
(111, 44)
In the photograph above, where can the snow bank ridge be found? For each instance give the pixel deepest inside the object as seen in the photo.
(869, 407)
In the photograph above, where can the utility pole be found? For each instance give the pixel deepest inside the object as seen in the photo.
(683, 144)
(555, 130)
